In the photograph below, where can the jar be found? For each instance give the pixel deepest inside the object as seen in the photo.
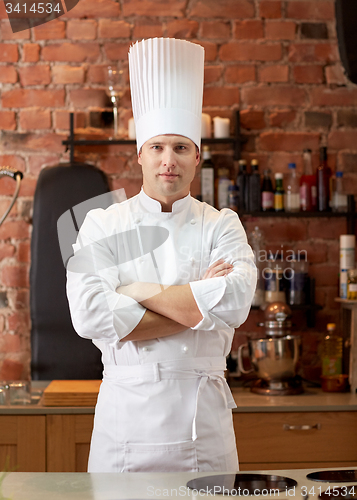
(352, 284)
(296, 279)
(273, 274)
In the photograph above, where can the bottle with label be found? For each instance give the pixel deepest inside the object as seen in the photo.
(242, 185)
(267, 193)
(347, 260)
(292, 190)
(274, 279)
(254, 198)
(233, 196)
(332, 352)
(207, 177)
(339, 198)
(223, 182)
(279, 193)
(307, 185)
(323, 175)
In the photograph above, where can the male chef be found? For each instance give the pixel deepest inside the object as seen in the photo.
(159, 282)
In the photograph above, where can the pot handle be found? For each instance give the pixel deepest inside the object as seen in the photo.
(240, 360)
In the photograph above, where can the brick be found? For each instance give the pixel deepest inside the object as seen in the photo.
(38, 162)
(289, 141)
(282, 118)
(215, 29)
(325, 274)
(64, 74)
(54, 30)
(333, 97)
(35, 119)
(171, 8)
(96, 73)
(24, 252)
(313, 52)
(315, 31)
(231, 9)
(147, 28)
(182, 28)
(80, 29)
(240, 73)
(342, 139)
(347, 118)
(7, 120)
(130, 186)
(110, 28)
(35, 75)
(8, 74)
(94, 9)
(16, 162)
(10, 343)
(9, 52)
(22, 299)
(270, 9)
(326, 229)
(26, 98)
(248, 29)
(82, 98)
(335, 75)
(318, 9)
(280, 30)
(11, 370)
(251, 119)
(211, 50)
(69, 52)
(116, 51)
(243, 51)
(274, 96)
(274, 73)
(316, 252)
(308, 74)
(348, 162)
(19, 322)
(14, 229)
(212, 74)
(114, 164)
(281, 231)
(6, 249)
(30, 142)
(62, 119)
(316, 119)
(31, 52)
(220, 96)
(7, 34)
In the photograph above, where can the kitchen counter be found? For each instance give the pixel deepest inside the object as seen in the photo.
(82, 486)
(313, 399)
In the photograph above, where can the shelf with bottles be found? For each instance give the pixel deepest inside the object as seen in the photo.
(71, 141)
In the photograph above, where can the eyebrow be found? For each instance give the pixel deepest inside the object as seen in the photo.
(160, 143)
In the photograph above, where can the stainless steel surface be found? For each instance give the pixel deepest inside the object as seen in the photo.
(277, 320)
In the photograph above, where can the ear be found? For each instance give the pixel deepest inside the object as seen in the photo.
(198, 156)
(139, 158)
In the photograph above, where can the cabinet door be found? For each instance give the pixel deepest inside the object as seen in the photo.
(296, 440)
(68, 441)
(23, 443)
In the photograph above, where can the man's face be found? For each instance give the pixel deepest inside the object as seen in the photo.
(169, 164)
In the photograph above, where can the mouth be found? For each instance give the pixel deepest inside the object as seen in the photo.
(168, 176)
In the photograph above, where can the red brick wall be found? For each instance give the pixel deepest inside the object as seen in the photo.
(276, 61)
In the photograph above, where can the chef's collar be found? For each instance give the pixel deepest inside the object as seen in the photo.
(154, 206)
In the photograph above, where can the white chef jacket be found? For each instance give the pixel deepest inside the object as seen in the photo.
(164, 404)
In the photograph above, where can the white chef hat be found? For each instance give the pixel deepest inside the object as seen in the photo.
(166, 81)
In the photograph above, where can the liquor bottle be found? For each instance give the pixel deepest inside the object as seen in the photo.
(207, 177)
(292, 190)
(233, 196)
(279, 193)
(267, 193)
(222, 182)
(332, 351)
(339, 198)
(323, 175)
(242, 185)
(254, 199)
(307, 185)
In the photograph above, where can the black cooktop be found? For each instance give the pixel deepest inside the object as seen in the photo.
(334, 476)
(241, 484)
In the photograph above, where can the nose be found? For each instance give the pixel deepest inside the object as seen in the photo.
(169, 158)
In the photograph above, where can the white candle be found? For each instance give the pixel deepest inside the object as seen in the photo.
(206, 126)
(221, 127)
(131, 129)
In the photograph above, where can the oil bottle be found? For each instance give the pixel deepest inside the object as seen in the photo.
(332, 352)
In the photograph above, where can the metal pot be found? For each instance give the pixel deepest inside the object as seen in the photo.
(273, 359)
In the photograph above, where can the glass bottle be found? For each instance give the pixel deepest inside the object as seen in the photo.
(279, 193)
(256, 241)
(233, 196)
(274, 279)
(339, 198)
(267, 193)
(296, 279)
(223, 182)
(207, 177)
(292, 190)
(254, 199)
(323, 174)
(307, 185)
(242, 185)
(332, 352)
